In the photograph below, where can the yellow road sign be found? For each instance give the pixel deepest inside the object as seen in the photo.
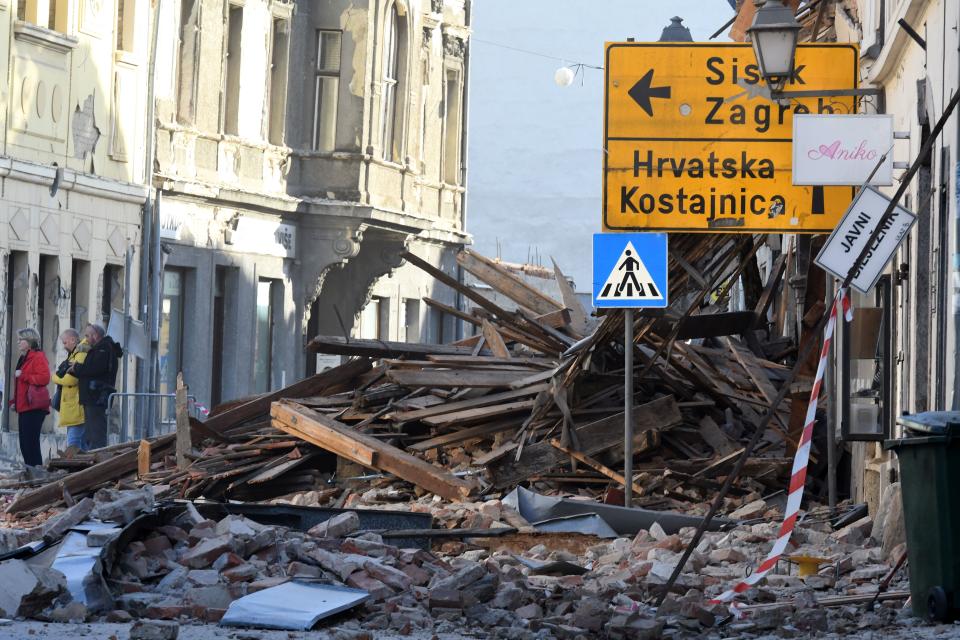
(693, 142)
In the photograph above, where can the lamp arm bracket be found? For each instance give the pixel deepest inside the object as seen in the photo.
(827, 93)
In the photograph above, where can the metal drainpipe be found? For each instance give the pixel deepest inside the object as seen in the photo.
(151, 244)
(956, 261)
(464, 146)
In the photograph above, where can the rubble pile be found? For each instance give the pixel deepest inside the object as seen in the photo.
(533, 397)
(190, 568)
(528, 410)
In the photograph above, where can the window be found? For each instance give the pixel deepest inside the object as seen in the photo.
(411, 325)
(325, 91)
(171, 333)
(80, 294)
(369, 328)
(112, 291)
(231, 86)
(436, 326)
(52, 14)
(394, 48)
(278, 80)
(126, 14)
(451, 127)
(263, 358)
(188, 60)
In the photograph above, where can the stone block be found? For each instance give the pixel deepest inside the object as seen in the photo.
(113, 505)
(57, 527)
(393, 578)
(203, 577)
(336, 527)
(204, 552)
(212, 597)
(154, 630)
(376, 589)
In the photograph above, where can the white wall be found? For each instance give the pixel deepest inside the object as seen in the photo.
(535, 149)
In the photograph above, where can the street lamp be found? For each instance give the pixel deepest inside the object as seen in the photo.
(774, 34)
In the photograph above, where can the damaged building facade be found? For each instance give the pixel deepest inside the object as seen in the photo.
(302, 147)
(899, 355)
(72, 176)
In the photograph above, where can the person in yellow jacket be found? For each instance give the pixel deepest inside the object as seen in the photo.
(71, 411)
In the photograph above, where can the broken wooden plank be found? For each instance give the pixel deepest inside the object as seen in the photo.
(506, 283)
(313, 385)
(455, 378)
(579, 322)
(595, 438)
(597, 466)
(482, 361)
(143, 458)
(715, 437)
(494, 341)
(337, 437)
(482, 401)
(184, 441)
(84, 480)
(463, 435)
(336, 345)
(468, 416)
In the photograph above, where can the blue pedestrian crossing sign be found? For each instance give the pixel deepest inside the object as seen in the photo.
(629, 270)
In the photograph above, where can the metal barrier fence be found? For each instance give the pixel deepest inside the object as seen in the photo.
(167, 411)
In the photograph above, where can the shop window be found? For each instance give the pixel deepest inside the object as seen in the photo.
(112, 295)
(865, 363)
(263, 357)
(411, 325)
(171, 333)
(80, 294)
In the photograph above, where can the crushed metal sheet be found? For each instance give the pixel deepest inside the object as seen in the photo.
(538, 508)
(295, 606)
(82, 566)
(555, 568)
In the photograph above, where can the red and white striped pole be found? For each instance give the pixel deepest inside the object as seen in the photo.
(800, 461)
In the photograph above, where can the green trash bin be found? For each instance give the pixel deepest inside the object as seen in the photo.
(929, 457)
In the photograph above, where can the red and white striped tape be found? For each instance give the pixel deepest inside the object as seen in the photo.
(201, 408)
(799, 474)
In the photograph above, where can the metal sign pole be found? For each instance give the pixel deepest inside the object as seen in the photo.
(628, 407)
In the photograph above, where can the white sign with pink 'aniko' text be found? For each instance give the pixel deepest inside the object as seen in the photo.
(842, 149)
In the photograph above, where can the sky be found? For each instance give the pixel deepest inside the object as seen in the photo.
(535, 149)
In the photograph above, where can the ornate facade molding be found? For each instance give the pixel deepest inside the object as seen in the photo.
(453, 46)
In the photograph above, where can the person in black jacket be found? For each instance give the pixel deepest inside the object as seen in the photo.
(98, 379)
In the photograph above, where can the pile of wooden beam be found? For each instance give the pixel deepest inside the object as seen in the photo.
(535, 395)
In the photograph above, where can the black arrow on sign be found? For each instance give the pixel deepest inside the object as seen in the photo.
(642, 92)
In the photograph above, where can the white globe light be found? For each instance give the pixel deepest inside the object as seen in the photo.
(563, 77)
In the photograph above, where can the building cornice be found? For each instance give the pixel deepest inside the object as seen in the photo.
(894, 48)
(71, 180)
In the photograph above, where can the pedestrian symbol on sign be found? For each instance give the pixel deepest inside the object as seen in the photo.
(630, 280)
(630, 270)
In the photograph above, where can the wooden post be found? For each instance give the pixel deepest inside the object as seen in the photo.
(184, 443)
(143, 458)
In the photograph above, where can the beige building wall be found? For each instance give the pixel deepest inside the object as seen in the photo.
(917, 83)
(71, 164)
(337, 130)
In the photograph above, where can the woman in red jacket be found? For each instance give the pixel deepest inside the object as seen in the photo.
(32, 398)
